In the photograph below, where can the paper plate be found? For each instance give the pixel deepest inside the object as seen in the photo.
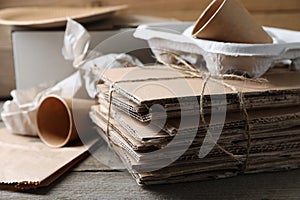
(222, 57)
(43, 17)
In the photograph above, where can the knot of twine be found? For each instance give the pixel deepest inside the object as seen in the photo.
(190, 70)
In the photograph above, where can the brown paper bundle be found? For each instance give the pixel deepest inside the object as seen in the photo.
(266, 140)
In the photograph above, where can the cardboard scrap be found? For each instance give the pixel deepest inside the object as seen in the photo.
(180, 95)
(271, 143)
(28, 163)
(146, 90)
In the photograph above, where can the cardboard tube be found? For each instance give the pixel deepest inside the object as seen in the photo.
(229, 21)
(55, 120)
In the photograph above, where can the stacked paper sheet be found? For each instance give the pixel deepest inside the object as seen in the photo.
(168, 126)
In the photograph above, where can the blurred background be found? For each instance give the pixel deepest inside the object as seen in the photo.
(276, 13)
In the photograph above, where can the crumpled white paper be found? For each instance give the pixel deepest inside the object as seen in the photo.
(76, 43)
(19, 114)
(93, 69)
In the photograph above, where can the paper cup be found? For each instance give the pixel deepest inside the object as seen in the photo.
(229, 21)
(55, 120)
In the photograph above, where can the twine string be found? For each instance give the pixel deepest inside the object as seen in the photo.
(111, 90)
(187, 68)
(191, 71)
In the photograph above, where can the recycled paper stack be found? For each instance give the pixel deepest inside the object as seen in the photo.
(151, 116)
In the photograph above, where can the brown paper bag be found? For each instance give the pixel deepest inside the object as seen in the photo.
(28, 163)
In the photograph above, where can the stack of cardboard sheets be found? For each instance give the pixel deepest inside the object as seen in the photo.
(168, 127)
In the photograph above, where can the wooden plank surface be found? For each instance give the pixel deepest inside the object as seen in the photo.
(252, 5)
(120, 185)
(288, 20)
(188, 10)
(5, 38)
(92, 180)
(7, 74)
(13, 3)
(271, 5)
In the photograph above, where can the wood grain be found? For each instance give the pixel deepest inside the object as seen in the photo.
(7, 75)
(271, 5)
(120, 185)
(91, 164)
(288, 20)
(5, 38)
(277, 13)
(13, 3)
(251, 5)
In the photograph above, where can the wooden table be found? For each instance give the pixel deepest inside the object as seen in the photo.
(91, 180)
(87, 182)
